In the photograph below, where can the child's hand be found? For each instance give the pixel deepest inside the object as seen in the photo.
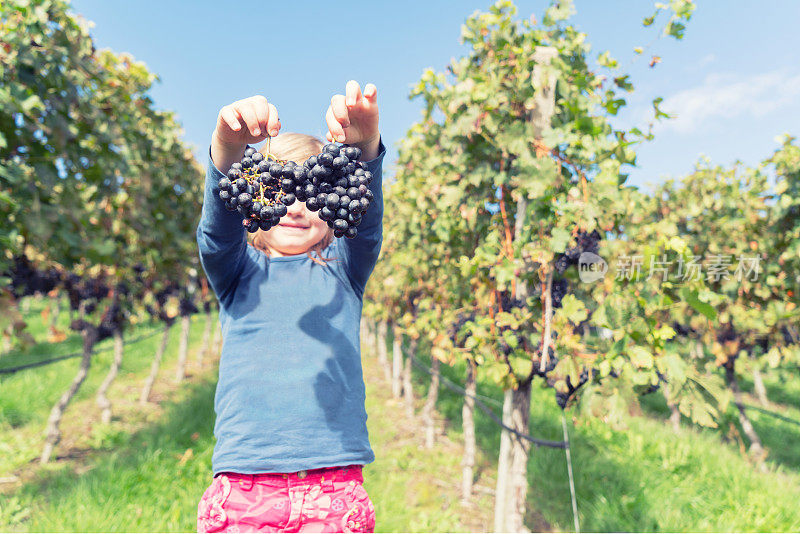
(247, 121)
(353, 119)
(244, 122)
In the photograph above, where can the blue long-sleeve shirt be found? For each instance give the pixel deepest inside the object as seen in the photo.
(290, 394)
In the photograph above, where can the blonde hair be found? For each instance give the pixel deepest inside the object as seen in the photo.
(298, 148)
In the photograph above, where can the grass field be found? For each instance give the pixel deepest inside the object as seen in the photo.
(146, 470)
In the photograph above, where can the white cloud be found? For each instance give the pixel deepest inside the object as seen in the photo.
(729, 96)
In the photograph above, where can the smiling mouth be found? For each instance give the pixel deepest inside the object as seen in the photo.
(292, 226)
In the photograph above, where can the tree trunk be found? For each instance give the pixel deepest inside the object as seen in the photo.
(756, 448)
(102, 400)
(148, 384)
(204, 344)
(430, 405)
(468, 423)
(183, 348)
(397, 363)
(383, 357)
(675, 417)
(408, 389)
(53, 432)
(512, 474)
(759, 388)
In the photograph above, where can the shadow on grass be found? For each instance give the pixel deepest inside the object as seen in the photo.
(151, 482)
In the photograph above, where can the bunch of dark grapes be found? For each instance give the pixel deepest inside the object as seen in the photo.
(27, 280)
(333, 182)
(507, 302)
(455, 328)
(552, 361)
(558, 291)
(563, 398)
(584, 242)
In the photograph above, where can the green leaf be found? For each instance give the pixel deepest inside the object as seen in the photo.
(640, 357)
(691, 298)
(559, 239)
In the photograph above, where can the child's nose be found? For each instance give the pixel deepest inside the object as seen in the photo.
(296, 208)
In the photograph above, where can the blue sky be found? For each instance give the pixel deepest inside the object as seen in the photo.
(733, 81)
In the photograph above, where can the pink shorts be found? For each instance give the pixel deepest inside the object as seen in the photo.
(319, 500)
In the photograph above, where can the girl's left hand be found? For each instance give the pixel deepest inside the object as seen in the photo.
(353, 118)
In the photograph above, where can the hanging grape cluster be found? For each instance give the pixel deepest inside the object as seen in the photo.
(333, 182)
(585, 242)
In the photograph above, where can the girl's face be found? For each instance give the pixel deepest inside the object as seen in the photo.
(299, 230)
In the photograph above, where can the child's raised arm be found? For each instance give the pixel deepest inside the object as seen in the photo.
(353, 119)
(220, 235)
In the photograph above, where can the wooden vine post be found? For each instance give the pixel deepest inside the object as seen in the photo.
(512, 471)
(53, 431)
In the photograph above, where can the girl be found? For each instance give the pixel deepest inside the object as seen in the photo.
(290, 419)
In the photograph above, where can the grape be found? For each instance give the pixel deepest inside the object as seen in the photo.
(352, 152)
(312, 204)
(561, 263)
(558, 291)
(280, 210)
(332, 201)
(337, 232)
(332, 182)
(276, 170)
(326, 213)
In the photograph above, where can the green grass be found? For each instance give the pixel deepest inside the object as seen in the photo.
(136, 474)
(647, 478)
(146, 480)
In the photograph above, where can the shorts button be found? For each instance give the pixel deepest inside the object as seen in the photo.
(301, 474)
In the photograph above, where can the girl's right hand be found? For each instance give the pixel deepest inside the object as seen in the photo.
(244, 122)
(247, 121)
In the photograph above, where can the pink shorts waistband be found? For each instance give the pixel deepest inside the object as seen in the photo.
(311, 476)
